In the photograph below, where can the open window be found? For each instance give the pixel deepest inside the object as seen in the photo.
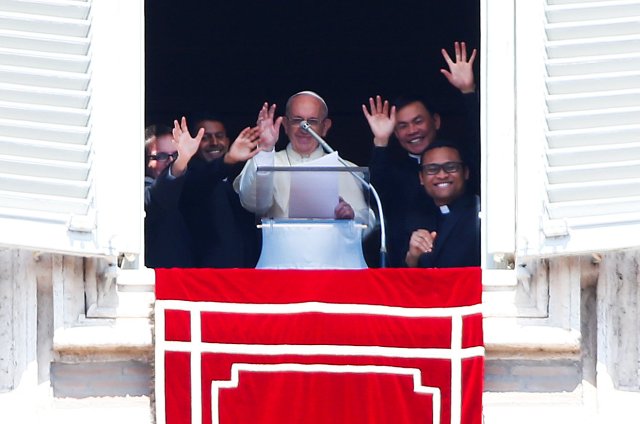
(199, 60)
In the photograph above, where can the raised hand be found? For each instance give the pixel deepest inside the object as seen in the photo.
(382, 120)
(244, 147)
(421, 242)
(460, 73)
(269, 128)
(343, 210)
(186, 145)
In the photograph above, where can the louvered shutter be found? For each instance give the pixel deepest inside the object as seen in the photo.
(68, 97)
(591, 120)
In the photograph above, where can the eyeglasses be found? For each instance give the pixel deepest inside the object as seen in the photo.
(164, 156)
(297, 121)
(448, 167)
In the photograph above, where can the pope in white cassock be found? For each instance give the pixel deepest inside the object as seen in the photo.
(267, 194)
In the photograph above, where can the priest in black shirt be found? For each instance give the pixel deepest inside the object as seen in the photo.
(445, 232)
(414, 123)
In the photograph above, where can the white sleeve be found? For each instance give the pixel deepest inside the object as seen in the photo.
(247, 183)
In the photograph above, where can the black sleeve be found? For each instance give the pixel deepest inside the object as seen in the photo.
(380, 172)
(217, 170)
(164, 192)
(471, 146)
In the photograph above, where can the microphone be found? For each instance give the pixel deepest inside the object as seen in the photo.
(307, 127)
(383, 234)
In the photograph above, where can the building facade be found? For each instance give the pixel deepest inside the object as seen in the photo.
(560, 210)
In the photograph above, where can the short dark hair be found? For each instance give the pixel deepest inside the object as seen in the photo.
(438, 143)
(406, 99)
(151, 133)
(198, 117)
(156, 130)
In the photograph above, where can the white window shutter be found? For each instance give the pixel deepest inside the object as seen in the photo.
(62, 65)
(589, 148)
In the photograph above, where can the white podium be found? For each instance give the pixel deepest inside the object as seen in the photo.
(298, 229)
(311, 244)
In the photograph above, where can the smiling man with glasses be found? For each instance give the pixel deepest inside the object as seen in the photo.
(449, 234)
(404, 129)
(302, 148)
(268, 194)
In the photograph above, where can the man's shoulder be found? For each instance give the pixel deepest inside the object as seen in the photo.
(469, 201)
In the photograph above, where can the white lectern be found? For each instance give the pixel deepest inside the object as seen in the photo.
(299, 230)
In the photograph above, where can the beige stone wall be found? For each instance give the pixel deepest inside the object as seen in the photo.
(618, 315)
(594, 297)
(38, 294)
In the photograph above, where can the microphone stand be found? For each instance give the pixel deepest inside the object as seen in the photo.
(383, 234)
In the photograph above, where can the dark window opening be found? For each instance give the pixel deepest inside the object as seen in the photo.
(230, 57)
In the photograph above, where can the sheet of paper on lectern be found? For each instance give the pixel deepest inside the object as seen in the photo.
(314, 194)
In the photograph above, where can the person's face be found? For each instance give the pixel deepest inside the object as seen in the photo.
(443, 187)
(163, 144)
(415, 127)
(214, 143)
(307, 108)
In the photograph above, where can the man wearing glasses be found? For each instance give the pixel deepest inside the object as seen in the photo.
(415, 124)
(303, 106)
(159, 149)
(447, 235)
(167, 241)
(310, 246)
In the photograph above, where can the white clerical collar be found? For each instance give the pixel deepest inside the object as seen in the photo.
(444, 209)
(295, 157)
(416, 157)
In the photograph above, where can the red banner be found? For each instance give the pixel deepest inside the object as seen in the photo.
(362, 346)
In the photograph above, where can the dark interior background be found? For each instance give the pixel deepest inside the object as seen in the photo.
(229, 57)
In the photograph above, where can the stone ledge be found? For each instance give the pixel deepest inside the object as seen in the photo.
(507, 339)
(102, 339)
(133, 280)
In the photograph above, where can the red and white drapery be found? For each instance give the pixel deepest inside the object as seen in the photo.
(293, 346)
